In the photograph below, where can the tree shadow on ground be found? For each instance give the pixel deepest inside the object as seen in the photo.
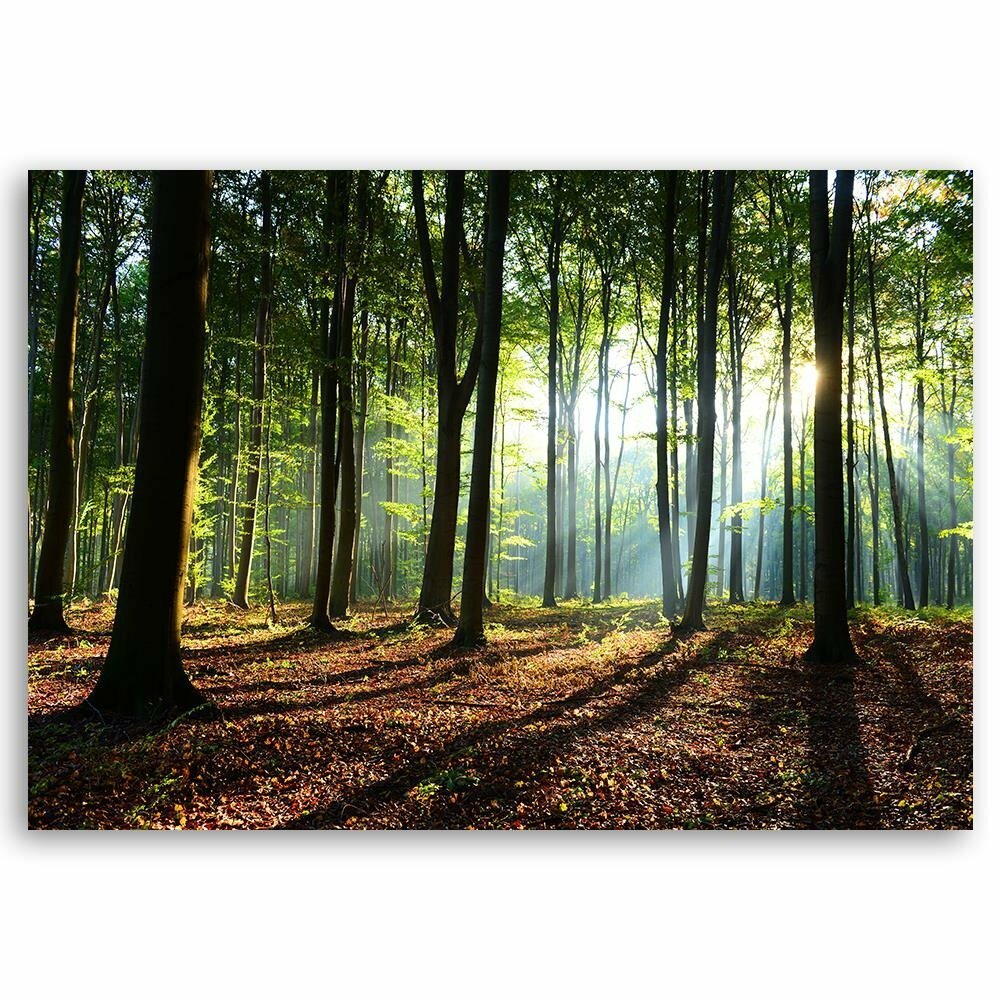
(838, 789)
(532, 746)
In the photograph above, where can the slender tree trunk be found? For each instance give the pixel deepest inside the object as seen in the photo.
(470, 631)
(849, 468)
(143, 674)
(337, 200)
(242, 588)
(598, 524)
(553, 262)
(897, 516)
(359, 452)
(50, 581)
(722, 208)
(765, 456)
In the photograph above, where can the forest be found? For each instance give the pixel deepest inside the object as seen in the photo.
(388, 498)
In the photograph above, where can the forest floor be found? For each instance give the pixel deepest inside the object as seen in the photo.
(582, 717)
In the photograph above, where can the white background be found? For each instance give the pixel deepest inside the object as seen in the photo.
(518, 84)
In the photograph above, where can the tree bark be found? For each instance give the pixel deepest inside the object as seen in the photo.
(143, 674)
(334, 217)
(828, 272)
(343, 565)
(722, 209)
(434, 605)
(50, 580)
(470, 630)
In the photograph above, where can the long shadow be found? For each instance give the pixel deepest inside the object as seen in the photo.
(470, 742)
(838, 791)
(273, 706)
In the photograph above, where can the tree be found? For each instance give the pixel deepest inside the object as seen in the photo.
(454, 394)
(143, 674)
(723, 183)
(782, 199)
(337, 195)
(241, 592)
(50, 581)
(343, 566)
(470, 630)
(828, 251)
(669, 600)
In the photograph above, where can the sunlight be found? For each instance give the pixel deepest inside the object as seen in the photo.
(805, 383)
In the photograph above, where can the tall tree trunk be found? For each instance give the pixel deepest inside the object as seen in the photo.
(552, 267)
(359, 452)
(722, 210)
(343, 564)
(50, 580)
(242, 588)
(851, 459)
(470, 631)
(828, 268)
(335, 211)
(434, 605)
(873, 489)
(903, 573)
(765, 455)
(598, 523)
(143, 674)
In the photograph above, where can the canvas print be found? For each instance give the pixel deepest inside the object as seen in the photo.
(531, 499)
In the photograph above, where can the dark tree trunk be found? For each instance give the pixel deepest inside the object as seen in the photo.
(50, 580)
(722, 210)
(242, 588)
(470, 630)
(736, 594)
(335, 211)
(343, 565)
(434, 605)
(598, 523)
(143, 674)
(828, 269)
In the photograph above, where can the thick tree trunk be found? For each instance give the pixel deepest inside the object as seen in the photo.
(143, 674)
(470, 630)
(434, 605)
(828, 259)
(50, 580)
